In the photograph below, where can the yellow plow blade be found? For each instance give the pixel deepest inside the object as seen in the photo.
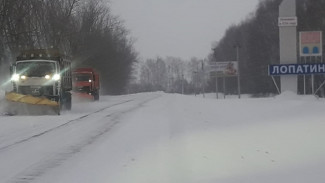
(28, 99)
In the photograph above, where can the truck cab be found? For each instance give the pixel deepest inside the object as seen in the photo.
(43, 73)
(86, 83)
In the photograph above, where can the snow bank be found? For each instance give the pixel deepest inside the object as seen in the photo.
(289, 95)
(221, 96)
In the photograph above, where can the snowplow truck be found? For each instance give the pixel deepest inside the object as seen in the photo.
(42, 81)
(86, 83)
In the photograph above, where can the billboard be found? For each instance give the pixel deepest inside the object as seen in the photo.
(223, 69)
(310, 43)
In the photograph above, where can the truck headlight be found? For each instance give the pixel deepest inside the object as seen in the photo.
(23, 77)
(47, 77)
(56, 77)
(15, 77)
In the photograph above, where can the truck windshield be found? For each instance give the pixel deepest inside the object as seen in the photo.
(82, 77)
(35, 69)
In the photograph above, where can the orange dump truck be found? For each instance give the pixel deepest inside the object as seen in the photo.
(86, 83)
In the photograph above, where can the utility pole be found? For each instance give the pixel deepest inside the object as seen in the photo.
(215, 57)
(168, 79)
(195, 81)
(203, 79)
(238, 77)
(182, 84)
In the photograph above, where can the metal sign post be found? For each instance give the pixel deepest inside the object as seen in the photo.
(238, 84)
(238, 75)
(203, 78)
(276, 85)
(217, 89)
(224, 87)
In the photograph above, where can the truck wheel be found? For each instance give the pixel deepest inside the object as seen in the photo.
(96, 96)
(68, 103)
(60, 106)
(58, 109)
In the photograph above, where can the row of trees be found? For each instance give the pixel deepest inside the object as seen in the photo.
(170, 74)
(83, 29)
(258, 38)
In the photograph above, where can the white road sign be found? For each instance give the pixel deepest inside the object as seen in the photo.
(224, 69)
(288, 21)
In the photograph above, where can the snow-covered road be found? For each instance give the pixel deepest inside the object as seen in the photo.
(169, 138)
(31, 145)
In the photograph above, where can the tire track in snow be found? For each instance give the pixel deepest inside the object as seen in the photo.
(57, 159)
(60, 126)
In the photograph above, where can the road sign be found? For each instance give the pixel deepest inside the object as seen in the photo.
(223, 69)
(296, 69)
(310, 43)
(287, 21)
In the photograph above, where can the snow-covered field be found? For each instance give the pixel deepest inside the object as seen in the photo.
(169, 138)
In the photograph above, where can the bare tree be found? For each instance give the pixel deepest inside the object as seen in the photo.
(83, 29)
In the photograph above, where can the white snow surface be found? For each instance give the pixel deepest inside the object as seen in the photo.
(169, 138)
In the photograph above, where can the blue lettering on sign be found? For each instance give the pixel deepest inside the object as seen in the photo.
(296, 69)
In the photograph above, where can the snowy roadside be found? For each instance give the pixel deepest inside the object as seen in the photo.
(184, 139)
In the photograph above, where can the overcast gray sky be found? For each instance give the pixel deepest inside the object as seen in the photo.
(179, 28)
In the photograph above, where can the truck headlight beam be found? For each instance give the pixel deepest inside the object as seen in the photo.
(56, 77)
(15, 77)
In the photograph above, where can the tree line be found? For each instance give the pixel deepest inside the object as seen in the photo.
(86, 30)
(170, 74)
(258, 39)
